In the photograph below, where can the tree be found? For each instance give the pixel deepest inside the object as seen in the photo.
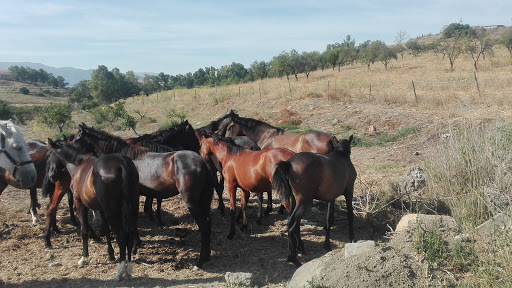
(200, 77)
(414, 46)
(385, 53)
(479, 46)
(280, 64)
(6, 111)
(261, 69)
(453, 48)
(56, 115)
(310, 61)
(295, 64)
(400, 38)
(458, 30)
(80, 93)
(103, 85)
(506, 40)
(370, 51)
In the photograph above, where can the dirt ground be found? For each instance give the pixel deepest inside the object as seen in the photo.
(168, 253)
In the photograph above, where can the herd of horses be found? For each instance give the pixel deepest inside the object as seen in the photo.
(105, 173)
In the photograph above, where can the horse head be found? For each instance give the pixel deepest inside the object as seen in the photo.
(14, 155)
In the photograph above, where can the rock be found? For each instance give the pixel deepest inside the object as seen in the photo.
(358, 248)
(411, 183)
(411, 221)
(463, 238)
(500, 221)
(314, 270)
(238, 279)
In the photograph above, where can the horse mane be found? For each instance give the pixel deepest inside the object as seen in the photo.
(73, 153)
(343, 147)
(252, 123)
(214, 125)
(109, 143)
(232, 147)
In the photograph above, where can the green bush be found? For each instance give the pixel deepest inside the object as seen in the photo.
(24, 90)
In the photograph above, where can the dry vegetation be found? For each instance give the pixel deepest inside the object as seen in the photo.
(341, 103)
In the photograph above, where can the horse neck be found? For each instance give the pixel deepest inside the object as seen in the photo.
(255, 133)
(220, 150)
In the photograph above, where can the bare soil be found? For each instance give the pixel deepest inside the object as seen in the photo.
(168, 253)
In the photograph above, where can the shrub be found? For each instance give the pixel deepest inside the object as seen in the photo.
(24, 90)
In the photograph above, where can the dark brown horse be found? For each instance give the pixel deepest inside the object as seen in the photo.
(307, 176)
(268, 136)
(164, 175)
(108, 184)
(244, 168)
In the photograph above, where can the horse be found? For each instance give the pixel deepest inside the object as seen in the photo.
(268, 136)
(244, 168)
(163, 175)
(37, 150)
(307, 176)
(108, 184)
(178, 137)
(14, 155)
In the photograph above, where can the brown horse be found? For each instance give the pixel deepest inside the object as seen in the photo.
(37, 150)
(244, 168)
(108, 184)
(307, 176)
(164, 175)
(268, 136)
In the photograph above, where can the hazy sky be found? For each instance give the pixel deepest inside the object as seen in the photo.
(176, 37)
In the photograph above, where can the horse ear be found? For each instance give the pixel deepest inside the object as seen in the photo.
(350, 138)
(51, 143)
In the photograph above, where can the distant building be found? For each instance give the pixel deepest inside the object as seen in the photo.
(5, 74)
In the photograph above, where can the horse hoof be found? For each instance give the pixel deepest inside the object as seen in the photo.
(82, 262)
(48, 248)
(243, 228)
(230, 236)
(327, 247)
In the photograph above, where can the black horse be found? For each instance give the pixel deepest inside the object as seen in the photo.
(163, 175)
(108, 184)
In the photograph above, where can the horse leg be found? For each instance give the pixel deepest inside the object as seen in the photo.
(159, 212)
(70, 204)
(293, 234)
(330, 220)
(232, 209)
(244, 199)
(3, 185)
(122, 267)
(34, 205)
(148, 208)
(82, 213)
(106, 227)
(51, 211)
(260, 208)
(204, 223)
(269, 205)
(349, 192)
(220, 190)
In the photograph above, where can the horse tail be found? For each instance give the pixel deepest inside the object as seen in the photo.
(281, 183)
(47, 187)
(129, 196)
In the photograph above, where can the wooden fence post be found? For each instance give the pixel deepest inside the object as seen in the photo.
(414, 89)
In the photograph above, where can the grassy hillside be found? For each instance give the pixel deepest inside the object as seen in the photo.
(39, 94)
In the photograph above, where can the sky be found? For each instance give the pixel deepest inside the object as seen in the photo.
(177, 37)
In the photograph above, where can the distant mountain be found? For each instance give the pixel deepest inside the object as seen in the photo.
(71, 75)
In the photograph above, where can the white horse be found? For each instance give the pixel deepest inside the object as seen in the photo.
(14, 155)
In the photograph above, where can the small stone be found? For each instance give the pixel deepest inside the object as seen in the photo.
(238, 279)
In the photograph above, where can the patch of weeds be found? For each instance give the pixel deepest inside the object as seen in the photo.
(293, 128)
(313, 283)
(463, 257)
(430, 243)
(384, 138)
